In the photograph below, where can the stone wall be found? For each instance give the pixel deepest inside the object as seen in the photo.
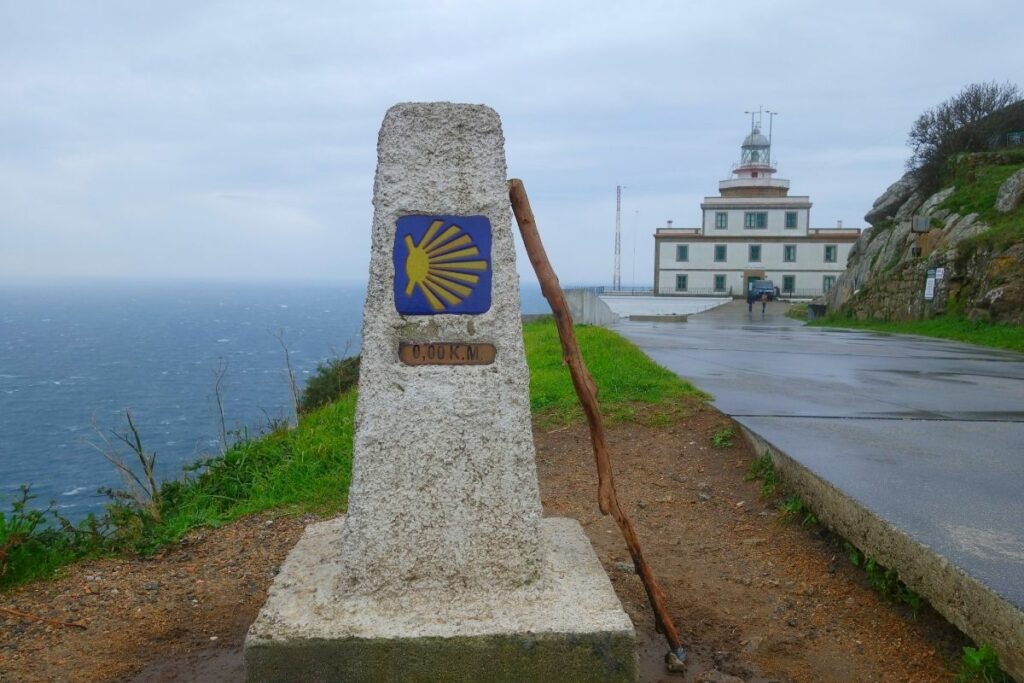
(888, 265)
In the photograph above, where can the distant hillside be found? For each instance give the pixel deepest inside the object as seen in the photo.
(976, 236)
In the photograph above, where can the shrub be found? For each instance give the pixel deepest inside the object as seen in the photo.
(331, 379)
(966, 122)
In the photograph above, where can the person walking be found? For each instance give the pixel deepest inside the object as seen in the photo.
(750, 298)
(764, 303)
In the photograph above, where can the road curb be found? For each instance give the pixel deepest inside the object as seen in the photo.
(971, 606)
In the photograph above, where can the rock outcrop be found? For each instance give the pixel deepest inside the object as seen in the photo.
(1010, 193)
(889, 263)
(885, 207)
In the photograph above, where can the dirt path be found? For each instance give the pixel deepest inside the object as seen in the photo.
(756, 598)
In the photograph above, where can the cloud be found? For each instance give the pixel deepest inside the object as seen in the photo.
(190, 138)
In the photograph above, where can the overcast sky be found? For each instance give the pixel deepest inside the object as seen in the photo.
(236, 140)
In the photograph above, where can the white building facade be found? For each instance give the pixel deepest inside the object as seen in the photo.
(754, 230)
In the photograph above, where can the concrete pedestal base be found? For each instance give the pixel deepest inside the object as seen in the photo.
(568, 625)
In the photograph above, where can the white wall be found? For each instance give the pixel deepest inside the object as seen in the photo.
(703, 281)
(776, 222)
(808, 269)
(809, 256)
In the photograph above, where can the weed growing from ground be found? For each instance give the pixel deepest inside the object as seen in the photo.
(763, 469)
(723, 437)
(981, 665)
(886, 582)
(794, 507)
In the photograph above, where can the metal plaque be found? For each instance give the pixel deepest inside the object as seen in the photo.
(445, 353)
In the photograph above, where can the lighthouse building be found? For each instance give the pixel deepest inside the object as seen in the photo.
(754, 230)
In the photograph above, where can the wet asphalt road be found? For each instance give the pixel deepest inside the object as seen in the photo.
(928, 434)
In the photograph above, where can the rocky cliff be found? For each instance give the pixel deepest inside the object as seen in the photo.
(975, 234)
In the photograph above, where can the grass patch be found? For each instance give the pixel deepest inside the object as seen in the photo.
(295, 470)
(308, 468)
(958, 328)
(305, 469)
(976, 189)
(625, 377)
(797, 312)
(977, 186)
(723, 437)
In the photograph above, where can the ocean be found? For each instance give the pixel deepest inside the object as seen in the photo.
(75, 356)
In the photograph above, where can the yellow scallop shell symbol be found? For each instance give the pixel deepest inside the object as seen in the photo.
(442, 266)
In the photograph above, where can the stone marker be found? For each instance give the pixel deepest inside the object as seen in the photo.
(443, 568)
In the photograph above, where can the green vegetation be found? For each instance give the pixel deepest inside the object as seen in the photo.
(981, 665)
(976, 179)
(966, 122)
(625, 377)
(886, 582)
(797, 312)
(723, 437)
(331, 379)
(763, 469)
(978, 665)
(28, 549)
(794, 507)
(305, 469)
(954, 327)
(293, 470)
(302, 469)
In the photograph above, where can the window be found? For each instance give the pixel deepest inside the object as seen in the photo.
(755, 253)
(788, 283)
(719, 283)
(721, 220)
(720, 253)
(755, 219)
(831, 252)
(791, 219)
(680, 283)
(682, 252)
(789, 253)
(828, 282)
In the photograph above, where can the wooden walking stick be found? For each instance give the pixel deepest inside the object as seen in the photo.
(586, 390)
(35, 617)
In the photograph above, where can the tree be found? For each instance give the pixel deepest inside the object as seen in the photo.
(957, 125)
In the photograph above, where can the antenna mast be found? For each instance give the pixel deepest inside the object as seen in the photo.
(617, 277)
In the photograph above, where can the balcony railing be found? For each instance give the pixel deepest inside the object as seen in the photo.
(700, 291)
(753, 182)
(800, 293)
(626, 291)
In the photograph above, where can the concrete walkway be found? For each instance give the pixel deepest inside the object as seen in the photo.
(925, 434)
